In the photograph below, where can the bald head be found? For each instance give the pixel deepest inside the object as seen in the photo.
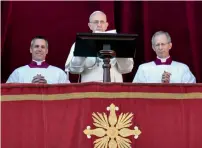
(97, 13)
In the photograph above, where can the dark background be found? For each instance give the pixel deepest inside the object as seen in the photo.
(60, 21)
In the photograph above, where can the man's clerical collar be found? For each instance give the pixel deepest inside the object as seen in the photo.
(163, 61)
(38, 64)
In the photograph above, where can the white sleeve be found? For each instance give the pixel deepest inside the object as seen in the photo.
(74, 64)
(63, 77)
(14, 77)
(125, 65)
(188, 77)
(140, 77)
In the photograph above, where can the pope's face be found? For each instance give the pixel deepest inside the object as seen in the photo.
(98, 22)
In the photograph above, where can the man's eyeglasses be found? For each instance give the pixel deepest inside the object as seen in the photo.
(96, 22)
(161, 44)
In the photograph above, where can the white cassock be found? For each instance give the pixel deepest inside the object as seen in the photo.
(152, 73)
(25, 74)
(91, 69)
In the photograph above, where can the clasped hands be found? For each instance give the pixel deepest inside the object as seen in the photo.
(165, 77)
(39, 79)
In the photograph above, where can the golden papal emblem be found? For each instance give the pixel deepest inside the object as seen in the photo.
(112, 131)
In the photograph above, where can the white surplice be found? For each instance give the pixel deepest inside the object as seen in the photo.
(152, 73)
(25, 74)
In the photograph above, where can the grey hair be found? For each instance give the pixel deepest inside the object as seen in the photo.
(95, 12)
(38, 37)
(159, 33)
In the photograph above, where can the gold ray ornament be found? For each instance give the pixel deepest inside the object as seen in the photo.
(112, 131)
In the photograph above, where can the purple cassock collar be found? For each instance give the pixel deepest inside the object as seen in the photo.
(167, 62)
(33, 64)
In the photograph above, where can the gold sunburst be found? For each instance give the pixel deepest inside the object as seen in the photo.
(112, 131)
